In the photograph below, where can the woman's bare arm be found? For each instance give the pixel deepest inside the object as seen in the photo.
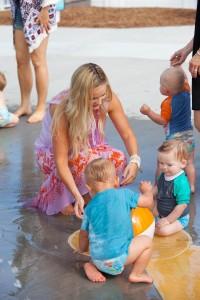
(120, 121)
(60, 148)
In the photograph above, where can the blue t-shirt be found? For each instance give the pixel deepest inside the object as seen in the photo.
(180, 114)
(108, 223)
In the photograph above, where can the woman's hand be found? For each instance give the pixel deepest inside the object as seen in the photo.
(194, 66)
(129, 174)
(179, 57)
(79, 207)
(43, 19)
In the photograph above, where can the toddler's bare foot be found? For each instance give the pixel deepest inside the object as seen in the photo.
(68, 210)
(23, 111)
(140, 278)
(92, 273)
(36, 117)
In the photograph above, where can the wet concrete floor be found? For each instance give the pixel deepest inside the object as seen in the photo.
(36, 262)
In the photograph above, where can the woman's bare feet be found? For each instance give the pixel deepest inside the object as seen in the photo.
(92, 273)
(140, 278)
(36, 117)
(23, 111)
(68, 210)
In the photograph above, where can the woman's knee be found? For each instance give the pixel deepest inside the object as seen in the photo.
(38, 58)
(22, 59)
(37, 61)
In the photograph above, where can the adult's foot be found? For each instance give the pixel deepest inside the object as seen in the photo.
(140, 278)
(23, 111)
(36, 117)
(68, 210)
(92, 273)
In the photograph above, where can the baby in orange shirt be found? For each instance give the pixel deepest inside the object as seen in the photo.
(175, 115)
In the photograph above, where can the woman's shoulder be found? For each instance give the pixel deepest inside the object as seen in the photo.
(115, 101)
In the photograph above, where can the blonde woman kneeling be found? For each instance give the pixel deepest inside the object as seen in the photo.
(73, 134)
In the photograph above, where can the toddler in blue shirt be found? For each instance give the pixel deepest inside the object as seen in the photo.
(106, 227)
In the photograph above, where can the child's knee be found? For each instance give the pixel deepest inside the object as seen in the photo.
(161, 231)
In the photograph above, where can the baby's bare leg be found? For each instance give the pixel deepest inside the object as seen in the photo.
(92, 273)
(13, 122)
(169, 229)
(140, 251)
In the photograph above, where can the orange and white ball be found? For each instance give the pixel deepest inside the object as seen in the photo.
(142, 221)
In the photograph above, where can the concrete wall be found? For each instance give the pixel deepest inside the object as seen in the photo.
(146, 3)
(4, 4)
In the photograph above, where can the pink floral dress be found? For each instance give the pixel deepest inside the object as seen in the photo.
(53, 195)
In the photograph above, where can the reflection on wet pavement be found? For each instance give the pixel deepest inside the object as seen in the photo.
(36, 261)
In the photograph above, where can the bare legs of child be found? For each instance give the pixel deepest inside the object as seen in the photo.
(140, 251)
(92, 273)
(168, 229)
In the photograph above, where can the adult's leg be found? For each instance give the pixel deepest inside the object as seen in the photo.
(24, 73)
(140, 251)
(191, 172)
(197, 119)
(38, 58)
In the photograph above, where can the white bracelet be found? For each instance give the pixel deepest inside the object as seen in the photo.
(135, 159)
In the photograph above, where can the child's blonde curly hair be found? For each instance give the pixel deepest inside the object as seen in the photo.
(100, 170)
(177, 146)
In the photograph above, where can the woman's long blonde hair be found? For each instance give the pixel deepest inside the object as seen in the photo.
(77, 107)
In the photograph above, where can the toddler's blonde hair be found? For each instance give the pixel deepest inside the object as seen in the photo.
(3, 81)
(177, 146)
(77, 107)
(100, 170)
(174, 78)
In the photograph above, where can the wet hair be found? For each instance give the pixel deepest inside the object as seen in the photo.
(76, 108)
(177, 146)
(3, 81)
(174, 78)
(100, 170)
